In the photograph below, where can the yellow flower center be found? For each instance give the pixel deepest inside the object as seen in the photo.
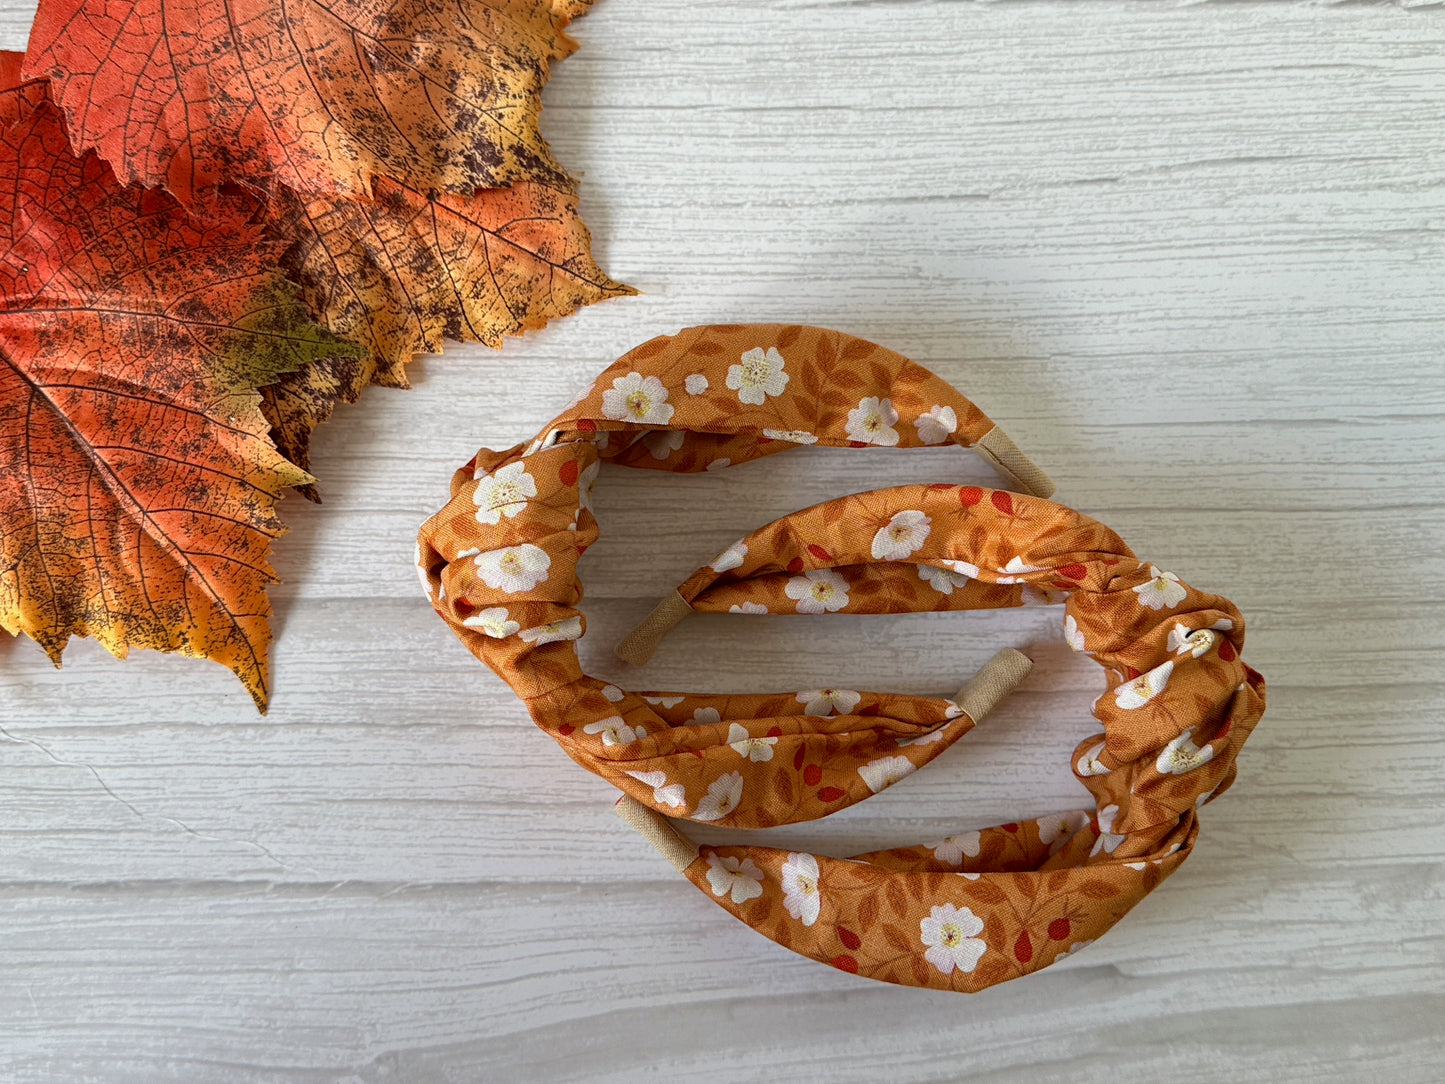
(756, 371)
(640, 403)
(504, 493)
(511, 563)
(951, 935)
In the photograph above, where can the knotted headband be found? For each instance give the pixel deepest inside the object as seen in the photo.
(499, 563)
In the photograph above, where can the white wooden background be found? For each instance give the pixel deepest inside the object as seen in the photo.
(1191, 257)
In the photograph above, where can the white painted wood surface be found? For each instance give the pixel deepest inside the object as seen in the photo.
(1191, 257)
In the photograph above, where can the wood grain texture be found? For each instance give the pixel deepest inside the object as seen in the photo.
(1189, 257)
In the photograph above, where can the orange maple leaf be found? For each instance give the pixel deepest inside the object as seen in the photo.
(320, 96)
(403, 272)
(137, 483)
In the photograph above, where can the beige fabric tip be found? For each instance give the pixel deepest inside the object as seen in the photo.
(999, 677)
(642, 641)
(652, 826)
(1004, 454)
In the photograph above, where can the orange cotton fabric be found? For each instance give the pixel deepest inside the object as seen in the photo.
(964, 912)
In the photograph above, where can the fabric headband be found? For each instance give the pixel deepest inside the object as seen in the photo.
(976, 908)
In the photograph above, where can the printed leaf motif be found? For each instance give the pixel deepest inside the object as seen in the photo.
(402, 273)
(137, 485)
(318, 95)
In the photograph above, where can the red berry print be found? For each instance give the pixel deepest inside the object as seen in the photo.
(1003, 502)
(1058, 929)
(798, 759)
(565, 729)
(968, 496)
(831, 794)
(1024, 948)
(568, 473)
(851, 941)
(795, 565)
(1073, 572)
(813, 775)
(1011, 826)
(1226, 649)
(775, 732)
(845, 963)
(819, 552)
(587, 425)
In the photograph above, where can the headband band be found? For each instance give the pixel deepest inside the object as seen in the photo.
(499, 564)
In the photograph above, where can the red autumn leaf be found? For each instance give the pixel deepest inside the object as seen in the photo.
(137, 485)
(968, 496)
(844, 962)
(831, 794)
(813, 775)
(319, 95)
(1058, 929)
(1002, 501)
(851, 941)
(1226, 649)
(819, 552)
(795, 565)
(1073, 572)
(404, 272)
(798, 758)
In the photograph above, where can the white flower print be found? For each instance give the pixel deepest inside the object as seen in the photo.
(513, 568)
(949, 933)
(740, 878)
(493, 621)
(504, 493)
(665, 701)
(730, 558)
(568, 628)
(639, 399)
(613, 693)
(941, 579)
(705, 717)
(800, 887)
(951, 849)
(695, 384)
(827, 701)
(421, 572)
(963, 568)
(935, 426)
(1075, 947)
(818, 591)
(1108, 840)
(871, 422)
(883, 773)
(754, 749)
(719, 464)
(585, 481)
(663, 792)
(951, 710)
(1056, 829)
(1015, 569)
(1163, 591)
(795, 436)
(661, 443)
(1089, 763)
(1072, 636)
(748, 608)
(1182, 755)
(1186, 641)
(757, 375)
(722, 798)
(905, 533)
(1144, 688)
(614, 731)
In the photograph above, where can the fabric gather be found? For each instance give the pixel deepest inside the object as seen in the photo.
(975, 908)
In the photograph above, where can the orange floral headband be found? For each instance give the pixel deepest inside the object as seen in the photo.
(962, 913)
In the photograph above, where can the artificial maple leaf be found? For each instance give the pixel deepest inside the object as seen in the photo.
(403, 272)
(320, 96)
(137, 483)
